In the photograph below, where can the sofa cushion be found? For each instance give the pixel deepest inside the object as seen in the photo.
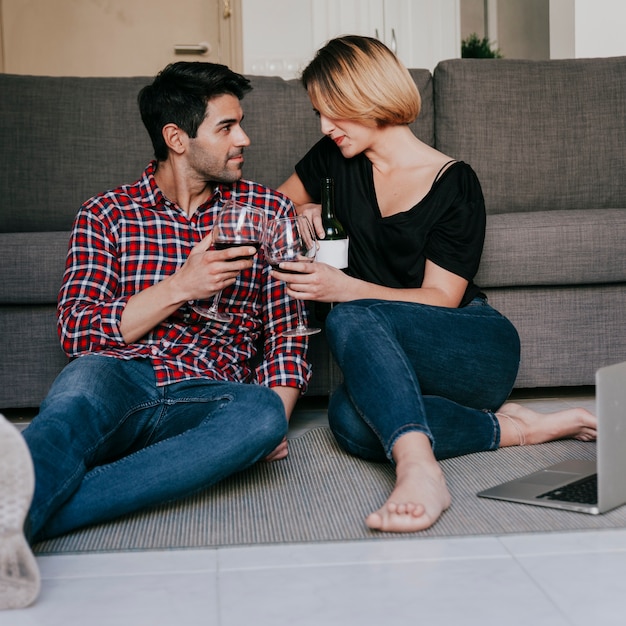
(541, 135)
(281, 125)
(554, 248)
(424, 125)
(566, 333)
(32, 266)
(74, 136)
(31, 354)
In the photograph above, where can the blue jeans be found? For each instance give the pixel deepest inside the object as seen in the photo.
(108, 441)
(417, 368)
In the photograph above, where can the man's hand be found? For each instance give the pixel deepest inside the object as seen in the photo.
(289, 397)
(280, 452)
(202, 275)
(207, 271)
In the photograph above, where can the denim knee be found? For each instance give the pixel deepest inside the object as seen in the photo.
(270, 419)
(344, 319)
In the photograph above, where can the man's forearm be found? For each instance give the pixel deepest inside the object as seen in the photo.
(289, 396)
(147, 309)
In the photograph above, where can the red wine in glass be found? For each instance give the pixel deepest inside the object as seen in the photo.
(291, 239)
(223, 245)
(237, 224)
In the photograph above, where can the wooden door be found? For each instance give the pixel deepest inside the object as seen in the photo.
(116, 37)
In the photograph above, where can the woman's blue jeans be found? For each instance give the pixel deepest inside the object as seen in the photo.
(418, 368)
(108, 441)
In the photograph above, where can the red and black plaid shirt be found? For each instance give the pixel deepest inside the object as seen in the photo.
(132, 237)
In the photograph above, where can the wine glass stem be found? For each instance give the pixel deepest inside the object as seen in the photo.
(214, 304)
(300, 317)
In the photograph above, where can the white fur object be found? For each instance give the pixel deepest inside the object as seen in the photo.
(19, 574)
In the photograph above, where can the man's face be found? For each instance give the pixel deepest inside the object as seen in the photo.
(216, 153)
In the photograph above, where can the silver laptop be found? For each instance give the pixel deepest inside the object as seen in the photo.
(578, 485)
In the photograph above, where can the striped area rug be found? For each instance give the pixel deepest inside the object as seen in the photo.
(321, 494)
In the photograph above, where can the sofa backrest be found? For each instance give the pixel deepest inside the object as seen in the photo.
(541, 135)
(65, 139)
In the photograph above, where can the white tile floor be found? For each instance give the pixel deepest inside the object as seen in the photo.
(552, 579)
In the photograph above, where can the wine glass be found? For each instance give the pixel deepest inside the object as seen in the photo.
(237, 224)
(291, 239)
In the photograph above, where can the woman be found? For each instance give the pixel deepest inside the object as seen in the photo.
(427, 363)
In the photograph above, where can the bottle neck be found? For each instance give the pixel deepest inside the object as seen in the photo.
(328, 199)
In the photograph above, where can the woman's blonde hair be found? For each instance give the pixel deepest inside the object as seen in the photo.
(359, 78)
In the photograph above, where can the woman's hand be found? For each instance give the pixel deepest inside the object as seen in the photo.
(323, 283)
(315, 281)
(314, 214)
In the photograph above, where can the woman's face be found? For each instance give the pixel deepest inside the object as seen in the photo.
(351, 137)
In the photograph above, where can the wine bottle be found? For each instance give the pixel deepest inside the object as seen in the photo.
(333, 249)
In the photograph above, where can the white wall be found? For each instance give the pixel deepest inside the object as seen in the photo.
(562, 29)
(600, 28)
(587, 28)
(277, 36)
(281, 36)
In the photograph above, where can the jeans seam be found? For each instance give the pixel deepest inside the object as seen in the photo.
(166, 403)
(495, 443)
(98, 469)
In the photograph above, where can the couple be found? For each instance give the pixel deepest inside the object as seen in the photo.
(158, 404)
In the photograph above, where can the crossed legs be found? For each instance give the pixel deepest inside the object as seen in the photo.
(425, 383)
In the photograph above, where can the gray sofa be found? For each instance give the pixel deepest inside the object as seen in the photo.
(547, 139)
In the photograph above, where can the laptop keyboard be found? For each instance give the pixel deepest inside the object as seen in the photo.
(584, 491)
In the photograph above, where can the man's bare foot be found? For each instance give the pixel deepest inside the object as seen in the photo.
(419, 497)
(520, 425)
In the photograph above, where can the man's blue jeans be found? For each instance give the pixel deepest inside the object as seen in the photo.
(412, 367)
(108, 441)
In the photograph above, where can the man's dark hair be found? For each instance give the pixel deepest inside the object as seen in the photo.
(179, 95)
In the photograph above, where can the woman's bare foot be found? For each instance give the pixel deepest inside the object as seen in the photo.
(420, 494)
(520, 425)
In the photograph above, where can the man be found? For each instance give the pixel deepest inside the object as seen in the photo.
(158, 402)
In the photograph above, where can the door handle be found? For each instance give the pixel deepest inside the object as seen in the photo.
(198, 48)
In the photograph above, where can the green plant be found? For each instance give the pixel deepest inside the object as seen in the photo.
(475, 48)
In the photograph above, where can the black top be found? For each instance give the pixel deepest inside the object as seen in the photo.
(447, 226)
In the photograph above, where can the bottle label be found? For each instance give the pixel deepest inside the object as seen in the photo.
(333, 252)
